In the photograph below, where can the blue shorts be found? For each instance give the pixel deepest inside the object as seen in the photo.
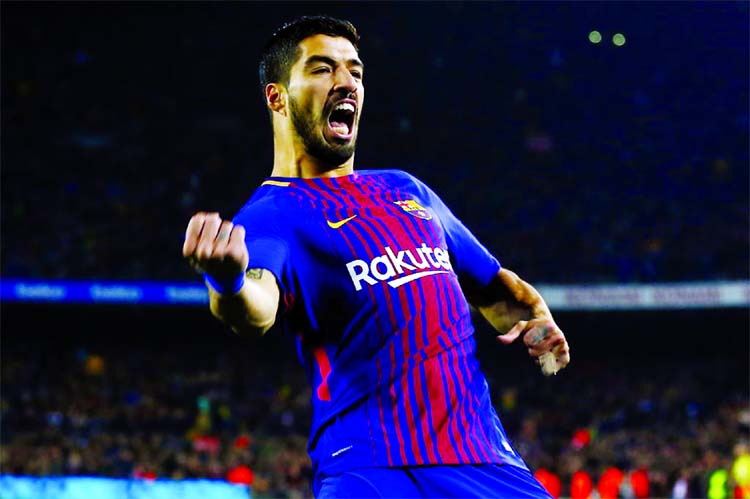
(469, 480)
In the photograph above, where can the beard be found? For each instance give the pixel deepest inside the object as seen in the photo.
(305, 124)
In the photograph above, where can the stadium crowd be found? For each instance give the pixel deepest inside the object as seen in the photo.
(626, 164)
(200, 411)
(580, 163)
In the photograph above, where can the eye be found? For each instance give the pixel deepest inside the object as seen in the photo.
(321, 70)
(357, 74)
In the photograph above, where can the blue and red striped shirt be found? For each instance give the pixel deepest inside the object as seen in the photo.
(371, 267)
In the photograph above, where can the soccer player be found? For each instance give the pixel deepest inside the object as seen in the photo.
(372, 275)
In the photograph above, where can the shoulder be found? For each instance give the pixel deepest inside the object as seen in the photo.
(387, 172)
(396, 177)
(260, 203)
(265, 208)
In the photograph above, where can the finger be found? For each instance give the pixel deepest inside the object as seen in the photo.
(237, 235)
(537, 352)
(540, 333)
(222, 238)
(192, 234)
(515, 331)
(236, 248)
(548, 364)
(547, 345)
(208, 234)
(562, 353)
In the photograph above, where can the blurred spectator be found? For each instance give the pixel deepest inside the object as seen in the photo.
(655, 431)
(629, 164)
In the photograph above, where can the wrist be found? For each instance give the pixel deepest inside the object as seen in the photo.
(226, 285)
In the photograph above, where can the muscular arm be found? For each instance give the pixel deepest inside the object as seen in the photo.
(509, 299)
(514, 308)
(252, 311)
(244, 299)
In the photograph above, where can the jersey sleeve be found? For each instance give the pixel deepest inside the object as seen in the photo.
(473, 263)
(267, 247)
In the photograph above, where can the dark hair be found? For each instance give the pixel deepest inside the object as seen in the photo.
(282, 49)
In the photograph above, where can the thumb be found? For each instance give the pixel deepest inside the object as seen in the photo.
(515, 331)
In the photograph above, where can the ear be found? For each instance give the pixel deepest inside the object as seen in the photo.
(276, 98)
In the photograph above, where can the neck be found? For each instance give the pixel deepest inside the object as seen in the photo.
(290, 159)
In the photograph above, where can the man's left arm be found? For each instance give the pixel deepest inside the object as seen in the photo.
(515, 309)
(511, 305)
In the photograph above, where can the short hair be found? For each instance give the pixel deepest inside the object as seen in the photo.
(282, 49)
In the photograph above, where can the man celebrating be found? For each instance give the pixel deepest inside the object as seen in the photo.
(373, 276)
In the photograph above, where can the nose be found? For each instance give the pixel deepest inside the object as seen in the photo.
(345, 82)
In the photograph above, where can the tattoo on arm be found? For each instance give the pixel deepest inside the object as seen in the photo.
(254, 273)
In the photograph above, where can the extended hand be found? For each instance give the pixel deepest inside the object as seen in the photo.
(545, 342)
(215, 246)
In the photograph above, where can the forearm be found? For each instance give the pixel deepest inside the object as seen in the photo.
(517, 310)
(252, 311)
(509, 299)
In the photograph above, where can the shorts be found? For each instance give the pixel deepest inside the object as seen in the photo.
(468, 480)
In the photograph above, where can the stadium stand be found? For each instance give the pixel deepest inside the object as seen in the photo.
(575, 163)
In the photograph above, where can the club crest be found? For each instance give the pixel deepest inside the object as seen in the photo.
(413, 208)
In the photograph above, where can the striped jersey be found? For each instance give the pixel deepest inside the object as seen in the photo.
(370, 267)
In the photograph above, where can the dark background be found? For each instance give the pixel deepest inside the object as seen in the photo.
(660, 391)
(573, 162)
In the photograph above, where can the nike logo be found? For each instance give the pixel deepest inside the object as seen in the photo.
(341, 451)
(336, 225)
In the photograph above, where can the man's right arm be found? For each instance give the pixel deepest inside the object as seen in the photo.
(245, 300)
(252, 310)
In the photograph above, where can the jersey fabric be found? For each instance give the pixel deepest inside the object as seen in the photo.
(371, 267)
(479, 480)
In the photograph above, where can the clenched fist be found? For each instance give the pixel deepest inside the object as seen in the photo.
(545, 342)
(217, 248)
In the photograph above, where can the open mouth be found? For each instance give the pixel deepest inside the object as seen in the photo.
(341, 119)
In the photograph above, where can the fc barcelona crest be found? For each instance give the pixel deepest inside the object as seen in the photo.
(413, 208)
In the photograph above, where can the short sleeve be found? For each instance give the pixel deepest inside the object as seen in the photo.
(474, 264)
(267, 247)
